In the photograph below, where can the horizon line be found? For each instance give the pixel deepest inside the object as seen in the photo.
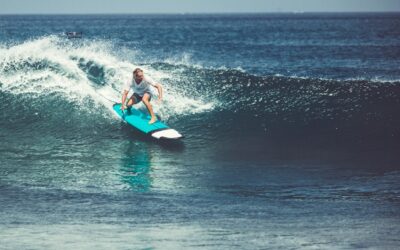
(205, 13)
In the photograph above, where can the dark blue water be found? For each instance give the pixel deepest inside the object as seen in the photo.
(290, 120)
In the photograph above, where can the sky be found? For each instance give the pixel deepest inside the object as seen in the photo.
(192, 6)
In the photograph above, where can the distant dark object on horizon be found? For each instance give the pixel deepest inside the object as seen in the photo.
(74, 34)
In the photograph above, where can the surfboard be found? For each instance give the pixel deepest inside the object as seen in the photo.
(140, 121)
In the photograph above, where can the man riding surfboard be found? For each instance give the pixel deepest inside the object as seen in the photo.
(140, 84)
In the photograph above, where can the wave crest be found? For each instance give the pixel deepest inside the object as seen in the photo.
(80, 71)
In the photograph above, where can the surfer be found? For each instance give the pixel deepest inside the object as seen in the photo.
(140, 84)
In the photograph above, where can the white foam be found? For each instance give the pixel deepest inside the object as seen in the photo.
(184, 59)
(61, 73)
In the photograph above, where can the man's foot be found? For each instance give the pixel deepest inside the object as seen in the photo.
(152, 120)
(129, 110)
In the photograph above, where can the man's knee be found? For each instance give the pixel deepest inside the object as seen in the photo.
(146, 102)
(146, 99)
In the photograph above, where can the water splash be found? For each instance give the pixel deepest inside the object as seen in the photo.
(81, 71)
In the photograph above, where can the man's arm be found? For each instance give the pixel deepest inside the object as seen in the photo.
(124, 95)
(160, 91)
(156, 85)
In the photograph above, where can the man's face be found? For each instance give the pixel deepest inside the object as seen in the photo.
(139, 76)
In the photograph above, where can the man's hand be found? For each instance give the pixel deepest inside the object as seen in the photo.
(123, 107)
(159, 101)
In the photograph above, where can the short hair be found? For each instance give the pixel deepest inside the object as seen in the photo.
(137, 70)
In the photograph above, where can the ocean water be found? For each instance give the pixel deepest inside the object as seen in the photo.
(291, 125)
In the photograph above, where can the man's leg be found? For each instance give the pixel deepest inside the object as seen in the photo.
(131, 102)
(146, 101)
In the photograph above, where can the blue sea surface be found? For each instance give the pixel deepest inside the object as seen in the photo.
(291, 125)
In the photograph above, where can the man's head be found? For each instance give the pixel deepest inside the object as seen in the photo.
(138, 74)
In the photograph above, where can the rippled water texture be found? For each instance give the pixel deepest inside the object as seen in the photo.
(290, 121)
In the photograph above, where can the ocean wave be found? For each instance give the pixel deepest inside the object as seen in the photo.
(90, 75)
(290, 98)
(80, 71)
(374, 79)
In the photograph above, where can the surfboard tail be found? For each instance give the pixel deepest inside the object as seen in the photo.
(166, 134)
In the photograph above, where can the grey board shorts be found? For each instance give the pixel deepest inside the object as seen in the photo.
(139, 98)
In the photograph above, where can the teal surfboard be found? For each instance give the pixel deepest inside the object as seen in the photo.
(140, 121)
